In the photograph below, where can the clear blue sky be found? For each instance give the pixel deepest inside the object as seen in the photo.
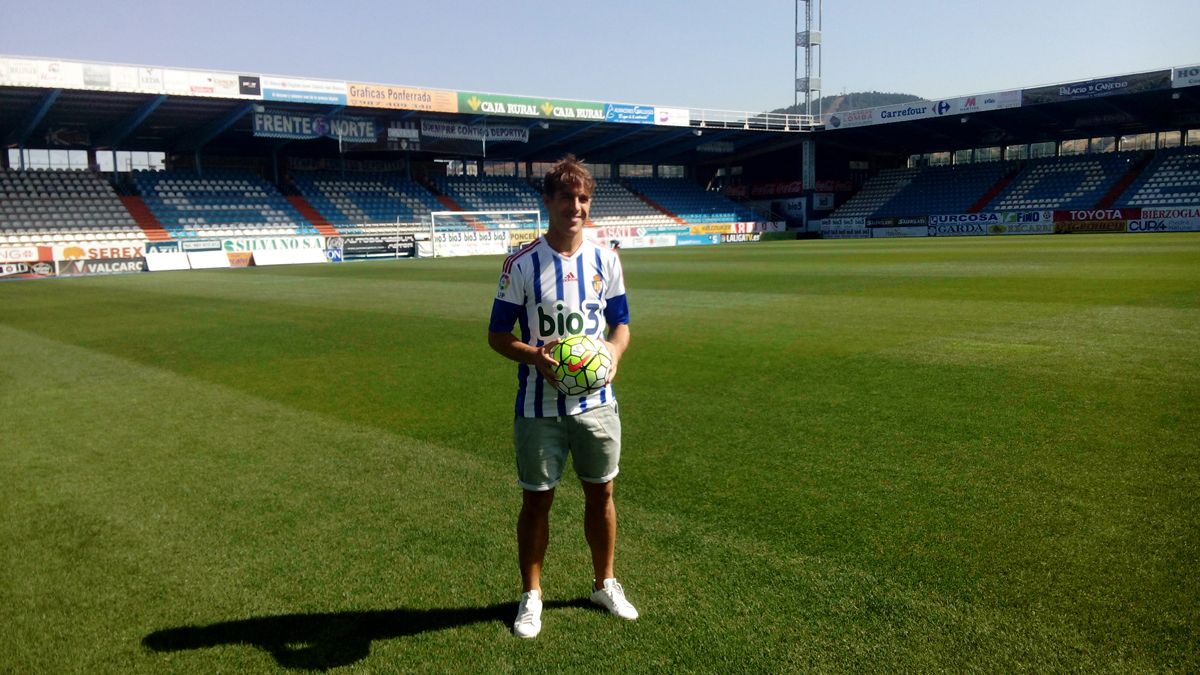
(696, 53)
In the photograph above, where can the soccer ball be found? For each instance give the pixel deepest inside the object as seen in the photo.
(583, 365)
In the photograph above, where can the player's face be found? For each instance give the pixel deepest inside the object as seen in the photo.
(568, 209)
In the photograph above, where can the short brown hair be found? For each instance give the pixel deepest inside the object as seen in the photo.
(568, 172)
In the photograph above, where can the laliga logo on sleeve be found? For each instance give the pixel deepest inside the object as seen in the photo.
(503, 285)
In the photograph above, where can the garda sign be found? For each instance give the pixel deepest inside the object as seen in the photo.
(958, 230)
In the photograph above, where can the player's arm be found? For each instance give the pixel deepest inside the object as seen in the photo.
(510, 347)
(617, 343)
(502, 340)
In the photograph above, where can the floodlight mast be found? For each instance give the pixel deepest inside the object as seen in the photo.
(808, 40)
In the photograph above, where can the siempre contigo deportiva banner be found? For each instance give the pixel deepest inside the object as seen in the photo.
(474, 132)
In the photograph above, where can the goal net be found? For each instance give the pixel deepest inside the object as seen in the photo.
(456, 233)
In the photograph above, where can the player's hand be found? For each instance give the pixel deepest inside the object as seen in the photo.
(616, 356)
(545, 362)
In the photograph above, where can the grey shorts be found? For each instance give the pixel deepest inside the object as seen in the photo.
(592, 438)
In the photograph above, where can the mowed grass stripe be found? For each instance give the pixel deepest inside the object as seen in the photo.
(256, 510)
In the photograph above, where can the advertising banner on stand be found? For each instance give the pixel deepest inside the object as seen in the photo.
(1109, 86)
(371, 247)
(523, 106)
(360, 95)
(298, 90)
(1094, 220)
(481, 242)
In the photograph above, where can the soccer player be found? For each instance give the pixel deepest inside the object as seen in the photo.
(559, 285)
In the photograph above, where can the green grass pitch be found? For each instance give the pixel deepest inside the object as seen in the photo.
(845, 456)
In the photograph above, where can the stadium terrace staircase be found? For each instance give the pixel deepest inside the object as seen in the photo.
(145, 219)
(1135, 169)
(318, 221)
(992, 193)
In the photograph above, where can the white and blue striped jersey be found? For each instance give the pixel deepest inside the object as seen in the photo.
(553, 296)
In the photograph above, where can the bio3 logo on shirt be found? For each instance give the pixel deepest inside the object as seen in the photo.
(563, 323)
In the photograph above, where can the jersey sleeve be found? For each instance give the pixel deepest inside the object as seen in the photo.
(616, 307)
(509, 302)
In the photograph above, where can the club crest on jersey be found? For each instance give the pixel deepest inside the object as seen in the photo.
(597, 283)
(504, 280)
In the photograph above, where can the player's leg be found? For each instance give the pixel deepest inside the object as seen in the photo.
(541, 450)
(533, 536)
(600, 527)
(596, 451)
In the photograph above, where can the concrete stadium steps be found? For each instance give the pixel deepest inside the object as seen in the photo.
(318, 221)
(145, 219)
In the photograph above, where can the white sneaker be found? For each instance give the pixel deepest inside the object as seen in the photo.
(612, 598)
(529, 615)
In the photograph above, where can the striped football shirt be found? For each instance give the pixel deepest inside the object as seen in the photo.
(554, 296)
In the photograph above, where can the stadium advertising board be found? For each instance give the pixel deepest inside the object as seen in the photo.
(98, 251)
(304, 126)
(900, 231)
(207, 260)
(672, 117)
(973, 224)
(740, 237)
(851, 119)
(658, 240)
(1185, 76)
(471, 242)
(26, 270)
(82, 268)
(628, 113)
(496, 133)
(363, 95)
(166, 261)
(1109, 86)
(255, 244)
(301, 256)
(1166, 220)
(111, 77)
(520, 106)
(369, 247)
(697, 239)
(844, 228)
(17, 254)
(296, 90)
(1094, 220)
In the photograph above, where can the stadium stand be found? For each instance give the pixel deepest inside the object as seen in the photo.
(220, 203)
(615, 205)
(355, 203)
(944, 189)
(491, 193)
(59, 206)
(1172, 178)
(876, 192)
(1076, 182)
(689, 201)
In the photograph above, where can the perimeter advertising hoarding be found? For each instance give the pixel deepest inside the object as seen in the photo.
(364, 95)
(482, 242)
(82, 268)
(1185, 76)
(1109, 86)
(394, 246)
(900, 231)
(273, 244)
(522, 106)
(17, 254)
(1166, 220)
(98, 251)
(1094, 220)
(26, 270)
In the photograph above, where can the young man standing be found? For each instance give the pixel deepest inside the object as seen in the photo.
(559, 285)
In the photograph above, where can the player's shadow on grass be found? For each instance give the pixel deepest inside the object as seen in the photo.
(323, 641)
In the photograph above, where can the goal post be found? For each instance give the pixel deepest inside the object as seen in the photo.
(455, 233)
